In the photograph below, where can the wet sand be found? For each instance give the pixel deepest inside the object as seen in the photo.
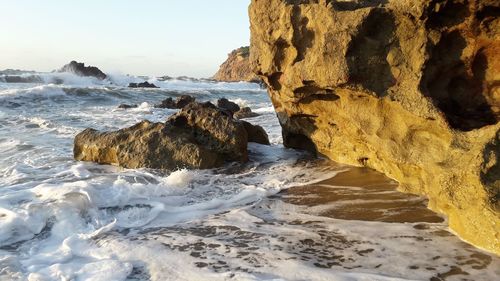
(362, 194)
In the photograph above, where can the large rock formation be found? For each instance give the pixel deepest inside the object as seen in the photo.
(237, 68)
(407, 87)
(200, 136)
(80, 69)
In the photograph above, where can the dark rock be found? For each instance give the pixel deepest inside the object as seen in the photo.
(127, 106)
(256, 133)
(228, 105)
(145, 84)
(167, 103)
(179, 103)
(184, 100)
(200, 136)
(245, 112)
(81, 70)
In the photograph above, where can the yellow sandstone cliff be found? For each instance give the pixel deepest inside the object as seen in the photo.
(407, 87)
(237, 67)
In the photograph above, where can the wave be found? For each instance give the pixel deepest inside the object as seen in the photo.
(122, 81)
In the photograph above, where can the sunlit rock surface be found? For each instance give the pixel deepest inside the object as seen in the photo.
(237, 67)
(409, 88)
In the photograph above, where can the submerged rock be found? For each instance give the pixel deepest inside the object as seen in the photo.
(127, 106)
(145, 84)
(409, 88)
(200, 136)
(179, 103)
(81, 70)
(237, 68)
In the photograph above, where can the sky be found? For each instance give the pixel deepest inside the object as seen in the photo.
(139, 37)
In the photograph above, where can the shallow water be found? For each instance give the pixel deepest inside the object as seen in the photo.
(282, 216)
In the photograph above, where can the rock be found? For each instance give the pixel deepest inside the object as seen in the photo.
(167, 103)
(150, 145)
(214, 129)
(145, 84)
(127, 106)
(409, 88)
(179, 103)
(228, 105)
(81, 70)
(237, 68)
(256, 133)
(200, 136)
(245, 112)
(183, 101)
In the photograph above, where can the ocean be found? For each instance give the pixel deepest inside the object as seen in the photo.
(284, 215)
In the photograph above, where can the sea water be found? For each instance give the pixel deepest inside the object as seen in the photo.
(267, 219)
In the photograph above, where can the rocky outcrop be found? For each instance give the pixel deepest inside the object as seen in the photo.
(235, 110)
(200, 136)
(145, 84)
(228, 105)
(409, 88)
(256, 133)
(178, 103)
(237, 68)
(81, 70)
(245, 112)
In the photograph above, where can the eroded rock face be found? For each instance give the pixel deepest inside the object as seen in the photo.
(212, 128)
(409, 88)
(237, 68)
(146, 144)
(200, 136)
(81, 70)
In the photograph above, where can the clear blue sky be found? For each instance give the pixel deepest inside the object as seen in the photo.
(142, 37)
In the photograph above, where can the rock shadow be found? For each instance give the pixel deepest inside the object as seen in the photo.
(456, 85)
(367, 53)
